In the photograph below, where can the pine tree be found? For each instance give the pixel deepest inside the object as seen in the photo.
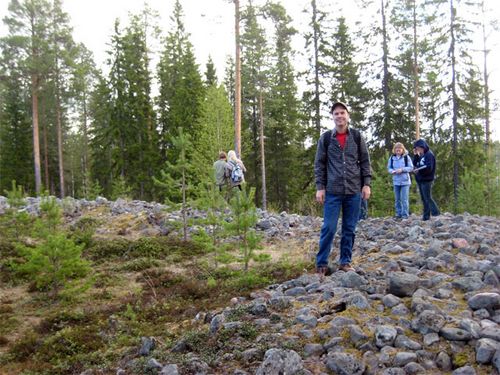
(284, 144)
(28, 23)
(177, 179)
(254, 76)
(181, 86)
(16, 144)
(346, 82)
(210, 73)
(216, 125)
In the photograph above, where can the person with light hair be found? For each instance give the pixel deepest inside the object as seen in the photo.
(235, 170)
(399, 166)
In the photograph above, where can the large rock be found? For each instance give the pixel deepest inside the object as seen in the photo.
(489, 301)
(278, 361)
(343, 363)
(428, 321)
(385, 336)
(485, 350)
(403, 284)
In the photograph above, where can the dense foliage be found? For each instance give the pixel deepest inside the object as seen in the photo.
(72, 129)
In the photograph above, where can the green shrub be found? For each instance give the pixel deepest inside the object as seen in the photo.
(25, 347)
(83, 230)
(53, 262)
(138, 264)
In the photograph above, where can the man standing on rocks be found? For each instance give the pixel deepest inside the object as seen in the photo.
(343, 175)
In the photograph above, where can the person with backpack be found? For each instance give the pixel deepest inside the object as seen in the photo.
(343, 175)
(399, 166)
(221, 178)
(235, 170)
(425, 171)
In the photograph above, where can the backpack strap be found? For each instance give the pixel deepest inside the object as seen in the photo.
(328, 136)
(392, 160)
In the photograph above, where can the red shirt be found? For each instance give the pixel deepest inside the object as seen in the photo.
(341, 138)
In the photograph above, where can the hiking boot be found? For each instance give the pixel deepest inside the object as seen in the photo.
(346, 267)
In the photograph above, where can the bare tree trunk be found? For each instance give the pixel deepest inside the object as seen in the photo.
(415, 72)
(486, 87)
(46, 158)
(36, 137)
(85, 146)
(60, 144)
(317, 114)
(262, 153)
(237, 86)
(455, 107)
(385, 80)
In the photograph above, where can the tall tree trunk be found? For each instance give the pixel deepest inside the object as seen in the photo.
(85, 146)
(262, 153)
(317, 114)
(36, 137)
(486, 86)
(59, 142)
(237, 86)
(385, 80)
(46, 158)
(455, 107)
(415, 72)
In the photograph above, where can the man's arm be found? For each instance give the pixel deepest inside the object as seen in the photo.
(320, 162)
(364, 163)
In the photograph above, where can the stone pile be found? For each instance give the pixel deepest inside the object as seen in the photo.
(425, 300)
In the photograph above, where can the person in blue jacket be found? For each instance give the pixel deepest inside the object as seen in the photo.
(399, 166)
(425, 171)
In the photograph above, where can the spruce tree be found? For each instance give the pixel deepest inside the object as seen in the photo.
(284, 144)
(181, 85)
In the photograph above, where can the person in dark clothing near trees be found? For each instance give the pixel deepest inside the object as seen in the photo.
(343, 175)
(425, 170)
(221, 178)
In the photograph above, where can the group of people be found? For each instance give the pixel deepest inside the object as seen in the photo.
(343, 176)
(229, 171)
(423, 165)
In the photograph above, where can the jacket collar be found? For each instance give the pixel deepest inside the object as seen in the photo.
(334, 131)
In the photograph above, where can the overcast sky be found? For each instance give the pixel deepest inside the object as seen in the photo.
(211, 25)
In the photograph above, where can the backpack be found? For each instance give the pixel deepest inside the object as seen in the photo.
(236, 173)
(392, 161)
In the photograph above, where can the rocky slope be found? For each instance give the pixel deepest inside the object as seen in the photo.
(425, 300)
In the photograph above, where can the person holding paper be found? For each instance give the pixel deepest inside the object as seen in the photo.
(425, 170)
(399, 166)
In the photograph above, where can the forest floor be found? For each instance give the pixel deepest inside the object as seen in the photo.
(137, 287)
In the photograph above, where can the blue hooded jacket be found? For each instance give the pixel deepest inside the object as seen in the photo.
(427, 159)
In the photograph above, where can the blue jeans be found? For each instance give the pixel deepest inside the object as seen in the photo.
(401, 200)
(349, 204)
(430, 207)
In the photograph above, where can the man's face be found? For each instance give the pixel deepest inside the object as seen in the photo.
(341, 118)
(420, 150)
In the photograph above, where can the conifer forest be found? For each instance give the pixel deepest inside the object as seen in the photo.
(149, 118)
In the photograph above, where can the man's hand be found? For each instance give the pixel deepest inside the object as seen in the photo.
(365, 192)
(320, 196)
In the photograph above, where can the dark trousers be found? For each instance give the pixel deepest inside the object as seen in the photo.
(430, 207)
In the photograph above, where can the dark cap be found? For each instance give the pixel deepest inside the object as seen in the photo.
(336, 104)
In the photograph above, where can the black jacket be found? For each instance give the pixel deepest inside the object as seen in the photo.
(427, 159)
(342, 171)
